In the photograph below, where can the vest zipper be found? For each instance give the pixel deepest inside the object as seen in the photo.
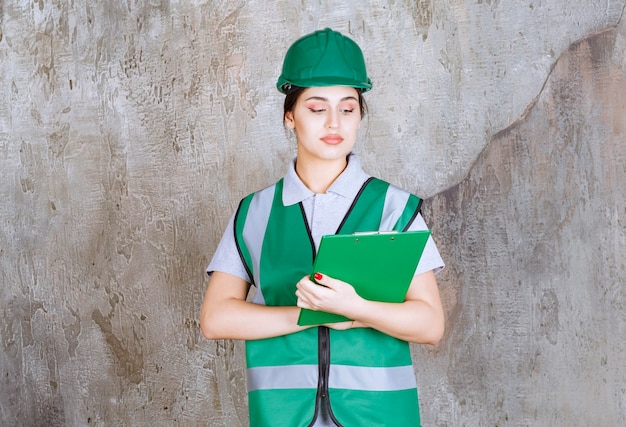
(324, 361)
(322, 400)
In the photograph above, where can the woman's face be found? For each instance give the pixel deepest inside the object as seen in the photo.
(326, 121)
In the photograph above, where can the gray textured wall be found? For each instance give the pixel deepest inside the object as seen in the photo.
(129, 131)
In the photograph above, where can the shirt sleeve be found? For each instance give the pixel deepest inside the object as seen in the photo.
(226, 258)
(431, 259)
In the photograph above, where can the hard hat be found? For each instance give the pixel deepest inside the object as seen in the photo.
(324, 58)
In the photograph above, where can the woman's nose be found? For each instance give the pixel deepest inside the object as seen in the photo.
(332, 120)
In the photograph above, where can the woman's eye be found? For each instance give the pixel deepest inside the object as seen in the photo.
(347, 108)
(317, 110)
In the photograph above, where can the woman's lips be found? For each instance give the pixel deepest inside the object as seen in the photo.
(332, 139)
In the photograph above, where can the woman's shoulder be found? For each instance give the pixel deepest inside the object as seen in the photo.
(265, 190)
(392, 188)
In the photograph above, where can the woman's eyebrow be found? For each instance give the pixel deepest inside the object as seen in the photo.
(321, 98)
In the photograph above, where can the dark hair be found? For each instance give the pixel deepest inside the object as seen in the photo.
(292, 93)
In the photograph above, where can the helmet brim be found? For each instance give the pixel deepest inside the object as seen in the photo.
(283, 83)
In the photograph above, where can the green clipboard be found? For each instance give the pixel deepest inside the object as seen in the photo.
(379, 265)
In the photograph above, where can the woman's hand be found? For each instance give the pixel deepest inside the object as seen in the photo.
(334, 296)
(342, 326)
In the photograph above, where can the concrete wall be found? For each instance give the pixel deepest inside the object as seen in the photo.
(130, 129)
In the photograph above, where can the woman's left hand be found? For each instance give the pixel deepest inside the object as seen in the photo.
(335, 296)
(343, 326)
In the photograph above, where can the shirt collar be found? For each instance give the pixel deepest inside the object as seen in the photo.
(346, 185)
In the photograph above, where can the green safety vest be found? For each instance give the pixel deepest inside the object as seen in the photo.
(365, 377)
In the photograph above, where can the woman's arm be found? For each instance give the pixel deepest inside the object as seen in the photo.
(226, 314)
(418, 319)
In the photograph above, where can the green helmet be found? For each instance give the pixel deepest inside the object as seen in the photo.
(324, 58)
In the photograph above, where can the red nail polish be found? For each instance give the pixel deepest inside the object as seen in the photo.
(318, 276)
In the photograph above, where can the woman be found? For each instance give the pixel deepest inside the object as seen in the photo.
(351, 373)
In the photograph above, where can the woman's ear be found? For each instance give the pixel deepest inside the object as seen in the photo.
(289, 122)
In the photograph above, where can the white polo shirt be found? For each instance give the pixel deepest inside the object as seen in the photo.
(324, 213)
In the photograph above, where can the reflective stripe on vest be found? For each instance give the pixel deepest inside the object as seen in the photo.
(392, 216)
(341, 377)
(254, 232)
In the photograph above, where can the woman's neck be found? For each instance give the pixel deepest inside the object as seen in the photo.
(319, 175)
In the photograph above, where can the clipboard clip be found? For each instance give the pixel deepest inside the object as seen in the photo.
(370, 233)
(365, 233)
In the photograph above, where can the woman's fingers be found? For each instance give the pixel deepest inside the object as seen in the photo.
(333, 296)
